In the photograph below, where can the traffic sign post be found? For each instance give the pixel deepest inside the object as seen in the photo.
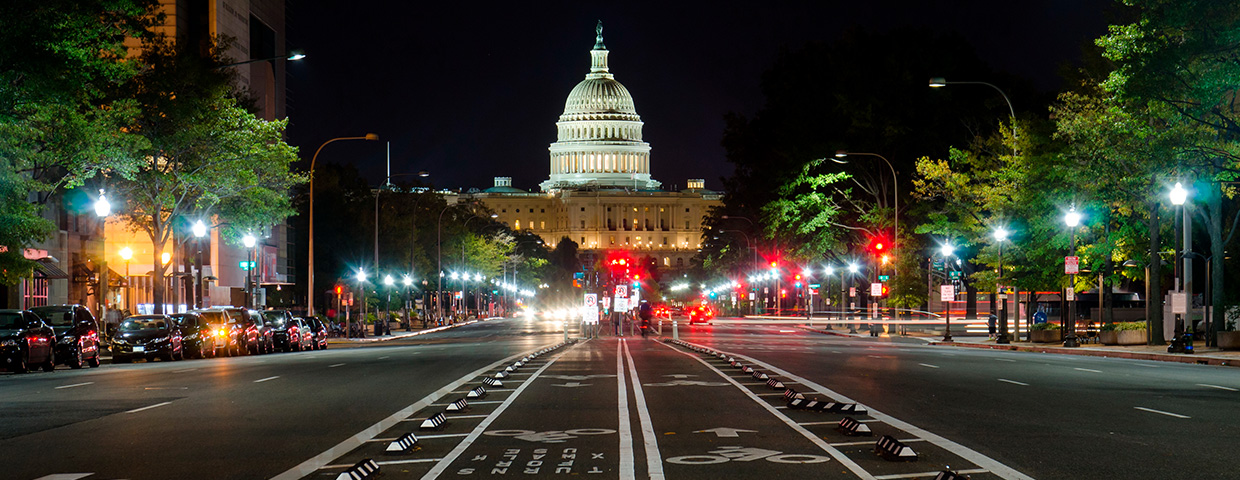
(947, 293)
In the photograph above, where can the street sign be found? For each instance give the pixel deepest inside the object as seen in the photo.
(852, 291)
(938, 265)
(246, 265)
(606, 303)
(954, 275)
(1071, 265)
(622, 291)
(1071, 294)
(814, 285)
(876, 289)
(813, 290)
(589, 315)
(1179, 303)
(947, 293)
(591, 300)
(884, 278)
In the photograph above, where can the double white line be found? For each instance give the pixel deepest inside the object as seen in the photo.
(654, 461)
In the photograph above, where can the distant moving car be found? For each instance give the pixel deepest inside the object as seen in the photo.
(26, 342)
(149, 337)
(197, 337)
(700, 314)
(77, 333)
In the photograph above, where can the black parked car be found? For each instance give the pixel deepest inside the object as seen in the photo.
(77, 334)
(149, 337)
(197, 336)
(290, 333)
(25, 342)
(319, 328)
(266, 333)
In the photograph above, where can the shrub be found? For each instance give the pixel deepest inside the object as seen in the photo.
(1120, 326)
(1044, 326)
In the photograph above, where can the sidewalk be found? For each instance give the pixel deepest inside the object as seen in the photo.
(1202, 356)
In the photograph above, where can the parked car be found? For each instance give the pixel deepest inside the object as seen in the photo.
(701, 314)
(287, 331)
(77, 333)
(319, 328)
(305, 337)
(266, 334)
(26, 342)
(149, 337)
(223, 331)
(197, 337)
(243, 328)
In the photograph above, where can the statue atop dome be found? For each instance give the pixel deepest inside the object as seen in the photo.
(598, 37)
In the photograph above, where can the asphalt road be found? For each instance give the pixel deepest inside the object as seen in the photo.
(622, 408)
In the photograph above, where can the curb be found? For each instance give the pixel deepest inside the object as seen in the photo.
(347, 341)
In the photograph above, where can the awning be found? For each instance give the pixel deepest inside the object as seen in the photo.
(46, 268)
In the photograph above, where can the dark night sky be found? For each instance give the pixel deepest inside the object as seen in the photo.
(470, 91)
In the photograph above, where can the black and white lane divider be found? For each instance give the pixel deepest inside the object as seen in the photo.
(402, 445)
(894, 450)
(502, 374)
(477, 393)
(774, 383)
(492, 382)
(434, 422)
(460, 405)
(790, 394)
(364, 469)
(815, 405)
(950, 475)
(851, 427)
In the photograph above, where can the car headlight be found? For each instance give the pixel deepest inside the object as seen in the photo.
(8, 342)
(119, 341)
(221, 333)
(68, 340)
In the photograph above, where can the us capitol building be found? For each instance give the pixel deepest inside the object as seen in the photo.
(600, 193)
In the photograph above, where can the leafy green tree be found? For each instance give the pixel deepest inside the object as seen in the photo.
(58, 125)
(207, 157)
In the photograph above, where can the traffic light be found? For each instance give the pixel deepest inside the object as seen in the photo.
(884, 290)
(339, 289)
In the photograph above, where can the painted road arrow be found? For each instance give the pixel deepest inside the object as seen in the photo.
(726, 432)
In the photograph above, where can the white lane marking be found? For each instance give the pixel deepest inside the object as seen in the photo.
(89, 383)
(1199, 385)
(385, 357)
(820, 443)
(805, 424)
(1014, 382)
(772, 394)
(927, 474)
(1004, 360)
(1160, 412)
(654, 458)
(68, 476)
(411, 460)
(1088, 370)
(183, 370)
(261, 380)
(628, 468)
(1145, 365)
(787, 331)
(148, 407)
(316, 462)
(927, 365)
(990, 464)
(871, 442)
(447, 460)
(336, 365)
(420, 437)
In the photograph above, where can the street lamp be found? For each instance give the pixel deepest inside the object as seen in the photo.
(126, 254)
(388, 282)
(937, 82)
(310, 241)
(199, 230)
(895, 202)
(1072, 219)
(408, 281)
(361, 285)
(947, 250)
(1179, 197)
(293, 55)
(1001, 235)
(249, 241)
(103, 208)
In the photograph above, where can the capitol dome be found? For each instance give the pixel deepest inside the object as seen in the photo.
(599, 141)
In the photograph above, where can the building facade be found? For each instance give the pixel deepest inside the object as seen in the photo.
(600, 193)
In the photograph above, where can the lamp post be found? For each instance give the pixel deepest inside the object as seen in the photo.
(408, 281)
(126, 254)
(293, 55)
(752, 248)
(199, 230)
(1001, 235)
(1072, 219)
(361, 285)
(388, 282)
(852, 271)
(1183, 321)
(103, 208)
(947, 250)
(895, 200)
(249, 241)
(310, 233)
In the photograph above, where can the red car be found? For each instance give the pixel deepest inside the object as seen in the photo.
(700, 314)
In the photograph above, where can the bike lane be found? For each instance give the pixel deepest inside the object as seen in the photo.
(716, 422)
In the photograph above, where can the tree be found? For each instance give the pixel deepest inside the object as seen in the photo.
(58, 125)
(206, 156)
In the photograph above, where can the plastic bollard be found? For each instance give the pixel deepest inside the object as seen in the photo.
(675, 331)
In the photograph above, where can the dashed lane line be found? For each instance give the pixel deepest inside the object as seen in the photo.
(927, 365)
(349, 444)
(989, 464)
(628, 468)
(336, 365)
(1014, 382)
(83, 384)
(820, 443)
(654, 460)
(1199, 385)
(148, 407)
(1087, 370)
(261, 380)
(1160, 412)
